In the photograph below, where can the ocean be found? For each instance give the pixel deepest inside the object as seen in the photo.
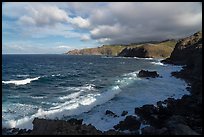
(83, 87)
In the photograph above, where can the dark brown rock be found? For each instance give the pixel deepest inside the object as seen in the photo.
(61, 127)
(146, 73)
(181, 129)
(130, 123)
(153, 131)
(124, 113)
(185, 49)
(110, 113)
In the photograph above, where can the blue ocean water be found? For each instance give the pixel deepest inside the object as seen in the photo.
(63, 86)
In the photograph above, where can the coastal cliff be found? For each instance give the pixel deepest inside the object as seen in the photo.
(179, 116)
(161, 49)
(188, 52)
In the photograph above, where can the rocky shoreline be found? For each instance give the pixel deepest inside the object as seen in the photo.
(169, 117)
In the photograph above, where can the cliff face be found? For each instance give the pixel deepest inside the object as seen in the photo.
(159, 50)
(188, 51)
(109, 50)
(145, 50)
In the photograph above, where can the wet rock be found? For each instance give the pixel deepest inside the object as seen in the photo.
(124, 113)
(130, 123)
(61, 127)
(146, 73)
(175, 119)
(146, 110)
(181, 129)
(113, 132)
(9, 131)
(110, 113)
(75, 121)
(153, 131)
(22, 131)
(15, 130)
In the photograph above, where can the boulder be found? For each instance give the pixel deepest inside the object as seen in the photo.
(130, 123)
(154, 131)
(113, 132)
(110, 113)
(61, 127)
(181, 129)
(146, 110)
(75, 121)
(124, 113)
(146, 73)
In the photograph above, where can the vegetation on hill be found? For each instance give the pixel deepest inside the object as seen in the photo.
(159, 49)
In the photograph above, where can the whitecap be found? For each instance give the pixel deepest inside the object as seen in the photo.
(55, 75)
(20, 82)
(158, 63)
(144, 58)
(86, 87)
(72, 95)
(37, 97)
(75, 106)
(22, 75)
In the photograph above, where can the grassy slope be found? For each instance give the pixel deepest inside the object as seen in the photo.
(162, 49)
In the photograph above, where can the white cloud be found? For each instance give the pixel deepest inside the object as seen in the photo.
(40, 15)
(80, 22)
(27, 20)
(85, 37)
(63, 47)
(27, 48)
(104, 31)
(111, 22)
(104, 40)
(126, 22)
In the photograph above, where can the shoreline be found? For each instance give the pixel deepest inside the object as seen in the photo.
(111, 131)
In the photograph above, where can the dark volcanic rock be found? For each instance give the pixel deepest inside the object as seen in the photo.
(186, 49)
(110, 113)
(113, 132)
(22, 131)
(146, 110)
(146, 73)
(75, 121)
(130, 123)
(181, 129)
(154, 131)
(61, 127)
(134, 52)
(124, 113)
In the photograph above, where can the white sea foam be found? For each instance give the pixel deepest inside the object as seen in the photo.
(142, 92)
(55, 75)
(144, 58)
(72, 95)
(77, 105)
(86, 87)
(22, 75)
(36, 97)
(73, 107)
(158, 63)
(20, 82)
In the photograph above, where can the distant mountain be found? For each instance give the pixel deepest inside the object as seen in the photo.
(154, 49)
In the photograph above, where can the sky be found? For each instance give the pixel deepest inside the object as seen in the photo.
(55, 28)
